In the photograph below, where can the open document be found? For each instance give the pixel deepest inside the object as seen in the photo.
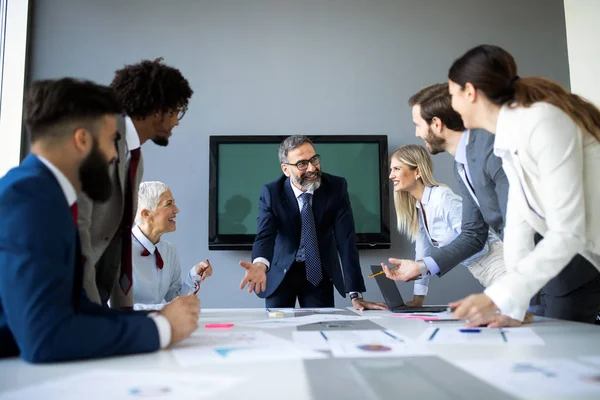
(238, 346)
(127, 385)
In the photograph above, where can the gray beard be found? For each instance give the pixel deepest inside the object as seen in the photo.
(308, 185)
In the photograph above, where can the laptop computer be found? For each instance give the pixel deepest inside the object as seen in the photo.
(393, 298)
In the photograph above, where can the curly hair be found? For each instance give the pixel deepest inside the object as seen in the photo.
(149, 87)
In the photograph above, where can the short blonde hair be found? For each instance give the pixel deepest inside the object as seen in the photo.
(148, 197)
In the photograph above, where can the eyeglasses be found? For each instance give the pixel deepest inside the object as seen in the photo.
(303, 164)
(180, 112)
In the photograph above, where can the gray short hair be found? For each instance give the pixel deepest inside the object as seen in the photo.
(291, 143)
(148, 197)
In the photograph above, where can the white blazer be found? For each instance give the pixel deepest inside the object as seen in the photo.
(554, 175)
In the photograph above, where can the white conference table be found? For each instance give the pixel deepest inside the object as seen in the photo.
(400, 378)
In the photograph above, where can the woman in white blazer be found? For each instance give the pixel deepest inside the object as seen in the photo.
(549, 142)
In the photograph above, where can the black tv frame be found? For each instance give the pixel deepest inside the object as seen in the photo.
(379, 240)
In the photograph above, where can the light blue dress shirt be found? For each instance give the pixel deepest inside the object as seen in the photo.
(443, 209)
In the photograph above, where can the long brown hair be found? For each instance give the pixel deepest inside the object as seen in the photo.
(413, 156)
(493, 70)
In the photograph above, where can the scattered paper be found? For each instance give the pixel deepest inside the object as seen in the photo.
(536, 378)
(300, 310)
(290, 322)
(127, 385)
(591, 359)
(371, 343)
(486, 336)
(442, 316)
(234, 346)
(313, 340)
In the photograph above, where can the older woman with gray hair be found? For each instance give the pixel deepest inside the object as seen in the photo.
(156, 267)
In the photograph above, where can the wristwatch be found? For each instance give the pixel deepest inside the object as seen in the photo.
(423, 267)
(355, 295)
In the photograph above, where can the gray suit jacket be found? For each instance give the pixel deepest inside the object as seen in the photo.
(101, 236)
(491, 189)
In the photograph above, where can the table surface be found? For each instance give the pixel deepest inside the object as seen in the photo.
(335, 377)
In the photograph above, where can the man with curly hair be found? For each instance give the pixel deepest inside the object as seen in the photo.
(154, 97)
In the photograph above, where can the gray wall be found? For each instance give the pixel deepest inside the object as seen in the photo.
(284, 67)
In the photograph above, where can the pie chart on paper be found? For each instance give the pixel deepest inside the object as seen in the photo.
(376, 348)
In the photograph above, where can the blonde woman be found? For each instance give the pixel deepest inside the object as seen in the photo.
(429, 214)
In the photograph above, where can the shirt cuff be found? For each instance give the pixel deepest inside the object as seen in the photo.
(164, 329)
(502, 299)
(420, 290)
(264, 261)
(431, 265)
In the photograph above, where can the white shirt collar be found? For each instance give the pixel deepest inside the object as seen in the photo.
(426, 196)
(144, 241)
(131, 135)
(504, 142)
(298, 192)
(461, 150)
(65, 184)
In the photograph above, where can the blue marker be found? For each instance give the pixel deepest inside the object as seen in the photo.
(433, 334)
(470, 330)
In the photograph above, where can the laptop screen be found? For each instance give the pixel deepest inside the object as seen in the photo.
(388, 288)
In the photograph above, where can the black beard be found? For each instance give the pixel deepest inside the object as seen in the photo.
(94, 176)
(161, 141)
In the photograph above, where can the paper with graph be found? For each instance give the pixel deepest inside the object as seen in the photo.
(371, 343)
(124, 384)
(480, 336)
(543, 378)
(237, 346)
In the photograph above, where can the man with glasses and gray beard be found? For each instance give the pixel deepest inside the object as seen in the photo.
(305, 226)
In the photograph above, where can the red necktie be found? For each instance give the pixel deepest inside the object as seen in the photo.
(125, 280)
(74, 211)
(159, 261)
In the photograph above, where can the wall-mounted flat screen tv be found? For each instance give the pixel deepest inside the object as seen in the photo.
(241, 165)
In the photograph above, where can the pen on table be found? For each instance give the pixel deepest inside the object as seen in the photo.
(382, 272)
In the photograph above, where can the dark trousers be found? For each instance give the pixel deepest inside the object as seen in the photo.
(295, 286)
(574, 294)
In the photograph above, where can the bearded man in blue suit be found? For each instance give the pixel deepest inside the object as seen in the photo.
(45, 315)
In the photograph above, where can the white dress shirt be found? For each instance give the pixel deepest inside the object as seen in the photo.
(443, 210)
(552, 171)
(162, 323)
(154, 287)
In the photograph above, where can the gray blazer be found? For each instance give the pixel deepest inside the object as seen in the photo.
(101, 237)
(491, 189)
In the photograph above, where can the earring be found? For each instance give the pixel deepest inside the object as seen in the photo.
(416, 178)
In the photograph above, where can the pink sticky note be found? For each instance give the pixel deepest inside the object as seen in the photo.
(218, 326)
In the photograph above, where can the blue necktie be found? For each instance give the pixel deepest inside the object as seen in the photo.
(314, 274)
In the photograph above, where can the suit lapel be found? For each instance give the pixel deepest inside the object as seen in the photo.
(291, 205)
(319, 203)
(122, 150)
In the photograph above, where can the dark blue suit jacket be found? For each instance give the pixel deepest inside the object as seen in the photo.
(279, 229)
(44, 313)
